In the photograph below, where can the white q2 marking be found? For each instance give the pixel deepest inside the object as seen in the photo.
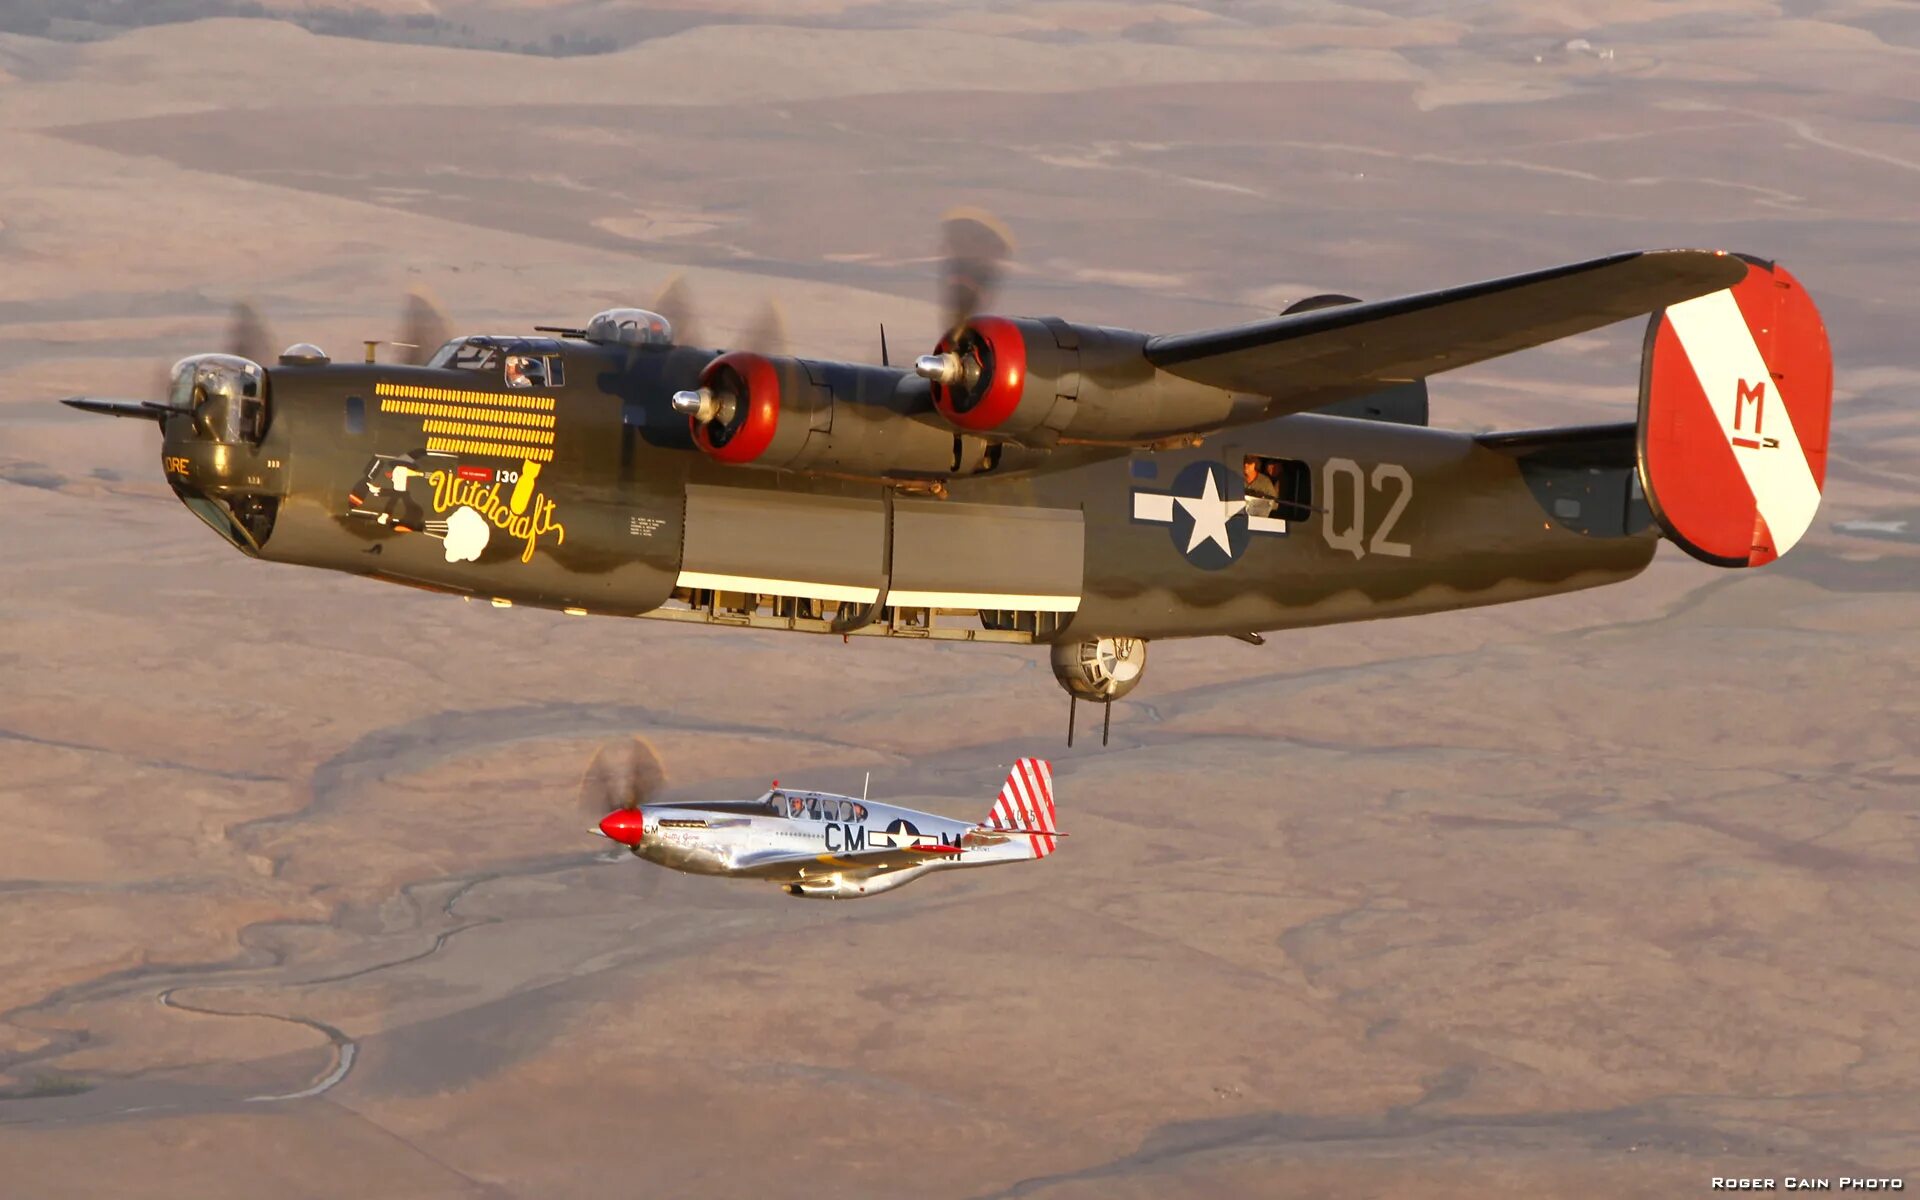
(1345, 521)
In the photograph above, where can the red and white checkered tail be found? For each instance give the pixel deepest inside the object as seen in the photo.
(1025, 806)
(1735, 397)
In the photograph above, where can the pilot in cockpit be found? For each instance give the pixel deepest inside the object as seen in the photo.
(517, 373)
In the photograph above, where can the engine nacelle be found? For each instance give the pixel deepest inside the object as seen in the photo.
(795, 414)
(1040, 380)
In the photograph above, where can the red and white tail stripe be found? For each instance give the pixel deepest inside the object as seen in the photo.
(1026, 805)
(1734, 407)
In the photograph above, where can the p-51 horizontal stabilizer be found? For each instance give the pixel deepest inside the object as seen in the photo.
(993, 831)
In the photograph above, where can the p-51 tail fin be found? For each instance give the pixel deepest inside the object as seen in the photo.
(1735, 397)
(1025, 806)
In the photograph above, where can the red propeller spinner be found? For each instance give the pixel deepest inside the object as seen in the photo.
(623, 825)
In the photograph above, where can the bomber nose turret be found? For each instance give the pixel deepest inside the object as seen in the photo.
(216, 419)
(214, 422)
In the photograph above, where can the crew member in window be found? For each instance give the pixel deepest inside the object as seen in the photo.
(518, 373)
(1292, 487)
(1263, 495)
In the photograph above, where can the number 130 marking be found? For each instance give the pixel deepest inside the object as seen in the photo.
(1348, 532)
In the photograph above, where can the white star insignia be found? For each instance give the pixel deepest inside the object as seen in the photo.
(1210, 513)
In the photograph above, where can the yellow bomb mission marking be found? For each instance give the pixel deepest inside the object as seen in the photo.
(528, 517)
(482, 424)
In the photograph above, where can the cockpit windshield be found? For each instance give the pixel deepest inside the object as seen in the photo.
(226, 394)
(463, 354)
(518, 362)
(815, 807)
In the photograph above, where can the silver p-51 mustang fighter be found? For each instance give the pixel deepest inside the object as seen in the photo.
(833, 847)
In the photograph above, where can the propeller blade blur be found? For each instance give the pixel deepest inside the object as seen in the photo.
(597, 787)
(424, 328)
(644, 775)
(623, 774)
(248, 335)
(976, 247)
(767, 334)
(675, 303)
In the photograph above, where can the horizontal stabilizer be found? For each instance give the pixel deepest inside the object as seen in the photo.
(1571, 446)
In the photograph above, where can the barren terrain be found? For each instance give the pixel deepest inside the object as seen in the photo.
(1602, 895)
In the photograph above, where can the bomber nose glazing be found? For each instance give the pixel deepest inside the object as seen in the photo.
(214, 459)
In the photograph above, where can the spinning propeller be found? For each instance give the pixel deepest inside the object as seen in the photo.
(976, 249)
(718, 406)
(622, 776)
(423, 329)
(248, 335)
(766, 333)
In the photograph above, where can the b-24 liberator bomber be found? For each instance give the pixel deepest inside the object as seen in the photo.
(1032, 479)
(818, 845)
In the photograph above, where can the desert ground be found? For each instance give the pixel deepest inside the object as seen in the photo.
(1603, 895)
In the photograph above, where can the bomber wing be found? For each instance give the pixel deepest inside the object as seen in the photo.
(1307, 360)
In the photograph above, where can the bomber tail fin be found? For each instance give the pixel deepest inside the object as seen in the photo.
(1025, 806)
(1736, 394)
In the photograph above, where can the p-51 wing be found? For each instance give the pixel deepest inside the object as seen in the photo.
(876, 859)
(1311, 359)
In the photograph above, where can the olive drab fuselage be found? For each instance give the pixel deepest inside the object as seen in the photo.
(585, 491)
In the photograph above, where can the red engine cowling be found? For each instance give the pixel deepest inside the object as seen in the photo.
(747, 392)
(796, 414)
(1002, 387)
(1038, 381)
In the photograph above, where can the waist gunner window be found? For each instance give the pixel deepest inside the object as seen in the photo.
(1281, 488)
